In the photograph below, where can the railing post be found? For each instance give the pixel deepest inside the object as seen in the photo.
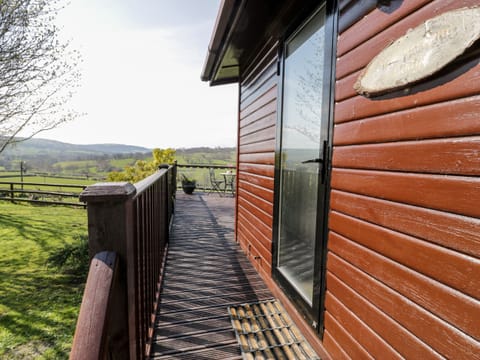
(172, 190)
(110, 228)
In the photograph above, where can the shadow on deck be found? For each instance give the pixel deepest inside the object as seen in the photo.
(205, 272)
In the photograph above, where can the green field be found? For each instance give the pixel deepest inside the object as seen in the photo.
(121, 163)
(39, 303)
(99, 166)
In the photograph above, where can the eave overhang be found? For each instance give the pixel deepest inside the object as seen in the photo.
(242, 29)
(216, 69)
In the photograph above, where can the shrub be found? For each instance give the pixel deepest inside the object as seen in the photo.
(72, 258)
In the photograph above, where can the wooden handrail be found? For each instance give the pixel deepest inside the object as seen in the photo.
(205, 166)
(133, 221)
(92, 325)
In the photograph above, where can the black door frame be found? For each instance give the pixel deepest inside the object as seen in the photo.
(314, 314)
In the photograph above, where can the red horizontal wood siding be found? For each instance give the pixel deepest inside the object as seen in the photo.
(451, 119)
(256, 149)
(403, 263)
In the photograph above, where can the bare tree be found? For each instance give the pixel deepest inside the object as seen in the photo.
(38, 71)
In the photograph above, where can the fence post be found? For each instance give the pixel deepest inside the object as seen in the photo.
(110, 228)
(12, 195)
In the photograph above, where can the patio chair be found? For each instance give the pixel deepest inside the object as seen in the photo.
(215, 183)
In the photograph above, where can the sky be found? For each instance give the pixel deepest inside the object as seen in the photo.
(140, 85)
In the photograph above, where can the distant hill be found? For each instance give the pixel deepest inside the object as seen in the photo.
(59, 158)
(61, 150)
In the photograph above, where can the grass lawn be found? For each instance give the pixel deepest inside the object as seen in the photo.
(38, 303)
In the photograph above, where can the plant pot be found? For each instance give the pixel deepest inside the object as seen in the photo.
(188, 187)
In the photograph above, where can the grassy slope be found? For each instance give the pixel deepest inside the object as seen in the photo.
(38, 305)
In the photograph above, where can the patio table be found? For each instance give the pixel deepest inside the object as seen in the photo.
(229, 178)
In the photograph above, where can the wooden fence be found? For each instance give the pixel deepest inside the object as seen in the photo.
(32, 192)
(131, 222)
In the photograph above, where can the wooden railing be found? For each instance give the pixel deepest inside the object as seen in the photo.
(92, 324)
(33, 192)
(200, 172)
(132, 221)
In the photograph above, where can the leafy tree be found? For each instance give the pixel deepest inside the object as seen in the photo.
(38, 72)
(143, 168)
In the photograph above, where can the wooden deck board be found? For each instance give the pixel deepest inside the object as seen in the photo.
(205, 272)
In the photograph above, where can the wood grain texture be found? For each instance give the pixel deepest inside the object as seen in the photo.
(265, 134)
(260, 203)
(266, 98)
(441, 336)
(353, 12)
(254, 233)
(344, 87)
(452, 306)
(460, 82)
(457, 270)
(253, 221)
(266, 194)
(92, 323)
(458, 156)
(349, 345)
(259, 214)
(264, 82)
(375, 22)
(267, 158)
(362, 54)
(205, 273)
(333, 348)
(376, 346)
(456, 194)
(263, 248)
(259, 124)
(258, 147)
(259, 180)
(259, 169)
(406, 343)
(258, 67)
(459, 233)
(253, 252)
(404, 219)
(455, 118)
(256, 157)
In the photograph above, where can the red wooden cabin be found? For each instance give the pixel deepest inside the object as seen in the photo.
(360, 213)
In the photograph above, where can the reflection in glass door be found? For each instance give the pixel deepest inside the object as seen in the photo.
(301, 155)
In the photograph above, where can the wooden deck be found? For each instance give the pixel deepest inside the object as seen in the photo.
(205, 272)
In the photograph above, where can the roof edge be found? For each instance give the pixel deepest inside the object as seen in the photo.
(223, 22)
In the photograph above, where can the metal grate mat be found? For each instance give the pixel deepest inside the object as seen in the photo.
(265, 331)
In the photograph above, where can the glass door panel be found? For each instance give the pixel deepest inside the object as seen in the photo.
(301, 153)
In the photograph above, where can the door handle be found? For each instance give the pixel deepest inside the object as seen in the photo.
(324, 161)
(320, 161)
